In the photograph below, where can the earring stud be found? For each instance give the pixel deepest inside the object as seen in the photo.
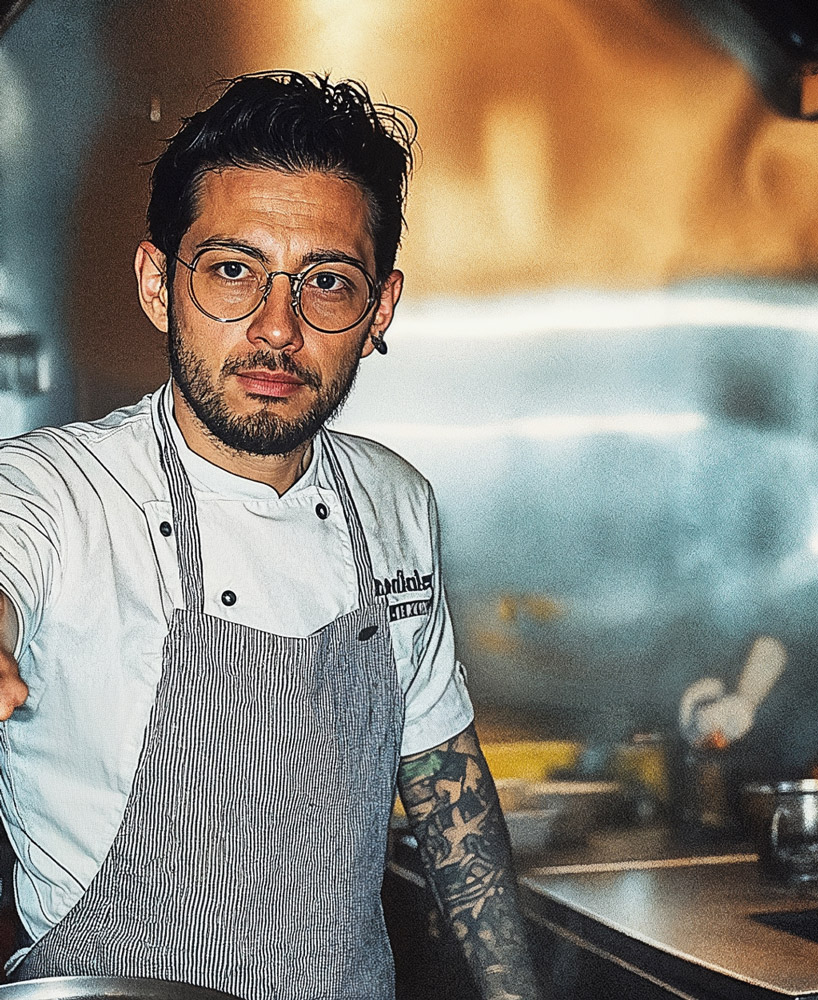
(378, 343)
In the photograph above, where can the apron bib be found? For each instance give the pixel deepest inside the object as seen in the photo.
(252, 848)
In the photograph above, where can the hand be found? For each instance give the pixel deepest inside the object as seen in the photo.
(13, 690)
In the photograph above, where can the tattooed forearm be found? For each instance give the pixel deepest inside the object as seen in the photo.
(452, 806)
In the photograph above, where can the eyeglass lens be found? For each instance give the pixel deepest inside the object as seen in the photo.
(229, 285)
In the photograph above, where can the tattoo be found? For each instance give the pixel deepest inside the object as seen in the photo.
(427, 764)
(452, 805)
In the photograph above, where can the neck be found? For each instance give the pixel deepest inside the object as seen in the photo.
(277, 471)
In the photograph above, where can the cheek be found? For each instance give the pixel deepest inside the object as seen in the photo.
(211, 342)
(339, 357)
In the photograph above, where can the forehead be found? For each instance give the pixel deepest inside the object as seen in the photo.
(260, 204)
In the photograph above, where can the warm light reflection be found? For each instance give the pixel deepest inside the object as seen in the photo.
(546, 428)
(471, 219)
(338, 24)
(564, 142)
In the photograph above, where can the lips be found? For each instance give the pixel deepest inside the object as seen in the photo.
(262, 382)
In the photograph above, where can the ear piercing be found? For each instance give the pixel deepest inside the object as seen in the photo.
(378, 343)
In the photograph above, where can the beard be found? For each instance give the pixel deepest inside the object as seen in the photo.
(267, 431)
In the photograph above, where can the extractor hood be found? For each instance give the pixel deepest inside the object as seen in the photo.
(777, 40)
(9, 9)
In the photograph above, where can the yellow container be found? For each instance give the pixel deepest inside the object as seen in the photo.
(534, 760)
(531, 760)
(646, 764)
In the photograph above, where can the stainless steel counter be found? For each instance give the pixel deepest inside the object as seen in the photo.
(695, 918)
(639, 913)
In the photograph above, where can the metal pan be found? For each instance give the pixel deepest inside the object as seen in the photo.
(99, 987)
(543, 814)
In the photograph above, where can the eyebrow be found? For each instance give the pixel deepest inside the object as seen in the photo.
(215, 242)
(321, 256)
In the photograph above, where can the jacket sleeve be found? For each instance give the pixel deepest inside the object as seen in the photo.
(437, 703)
(29, 535)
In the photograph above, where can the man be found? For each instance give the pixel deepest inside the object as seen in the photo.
(219, 693)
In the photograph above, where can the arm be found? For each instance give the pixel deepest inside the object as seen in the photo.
(452, 805)
(13, 691)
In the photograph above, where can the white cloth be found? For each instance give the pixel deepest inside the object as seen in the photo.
(94, 580)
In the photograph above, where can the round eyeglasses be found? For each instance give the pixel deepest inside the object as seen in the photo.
(229, 285)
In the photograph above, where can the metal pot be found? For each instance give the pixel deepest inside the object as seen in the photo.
(783, 820)
(99, 987)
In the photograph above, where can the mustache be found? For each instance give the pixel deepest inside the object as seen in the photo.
(273, 361)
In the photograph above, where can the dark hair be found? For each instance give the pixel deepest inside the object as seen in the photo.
(291, 122)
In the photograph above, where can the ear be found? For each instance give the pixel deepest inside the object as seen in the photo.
(150, 266)
(390, 294)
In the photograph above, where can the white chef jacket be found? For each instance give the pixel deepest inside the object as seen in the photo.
(89, 563)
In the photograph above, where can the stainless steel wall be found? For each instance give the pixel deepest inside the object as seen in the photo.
(53, 90)
(628, 487)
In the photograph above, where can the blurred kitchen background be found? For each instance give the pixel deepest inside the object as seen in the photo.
(606, 359)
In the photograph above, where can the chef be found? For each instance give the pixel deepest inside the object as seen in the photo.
(209, 685)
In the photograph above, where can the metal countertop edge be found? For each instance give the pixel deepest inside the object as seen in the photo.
(526, 880)
(608, 956)
(634, 866)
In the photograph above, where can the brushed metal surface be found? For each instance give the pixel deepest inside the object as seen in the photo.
(703, 911)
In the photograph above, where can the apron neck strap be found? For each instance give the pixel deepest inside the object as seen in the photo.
(185, 522)
(360, 549)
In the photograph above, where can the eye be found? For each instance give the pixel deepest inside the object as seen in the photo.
(328, 281)
(233, 270)
(228, 268)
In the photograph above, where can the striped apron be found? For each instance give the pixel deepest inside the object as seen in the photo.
(252, 848)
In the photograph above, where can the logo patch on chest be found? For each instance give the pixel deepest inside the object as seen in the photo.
(409, 582)
(403, 582)
(409, 609)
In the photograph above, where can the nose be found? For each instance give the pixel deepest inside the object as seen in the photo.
(275, 323)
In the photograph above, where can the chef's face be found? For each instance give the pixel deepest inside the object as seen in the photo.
(265, 384)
